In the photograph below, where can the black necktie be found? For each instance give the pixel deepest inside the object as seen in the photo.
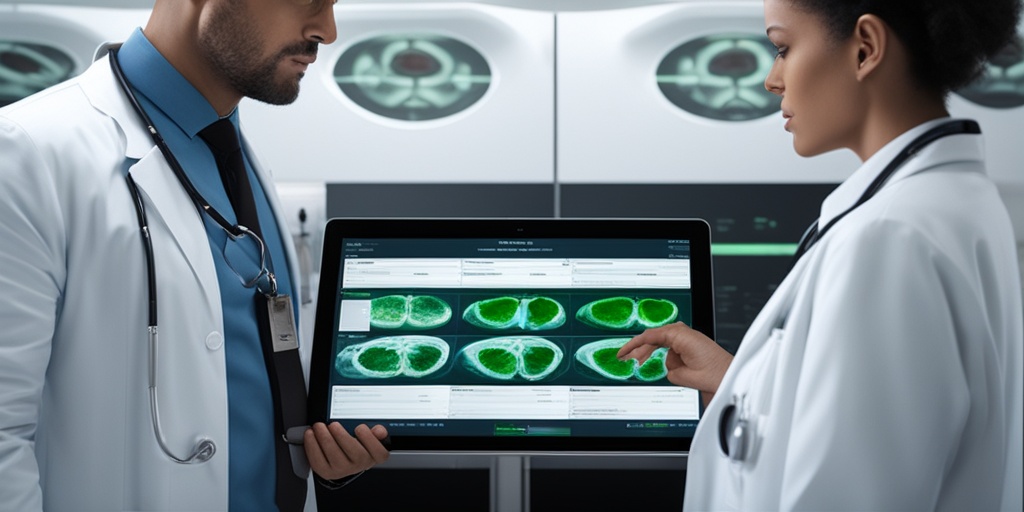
(223, 141)
(291, 490)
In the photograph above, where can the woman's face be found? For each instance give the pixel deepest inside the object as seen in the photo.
(816, 78)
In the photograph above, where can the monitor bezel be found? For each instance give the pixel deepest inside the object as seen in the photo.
(697, 231)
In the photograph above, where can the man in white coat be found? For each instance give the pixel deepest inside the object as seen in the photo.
(78, 427)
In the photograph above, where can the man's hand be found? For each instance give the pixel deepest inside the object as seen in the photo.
(333, 453)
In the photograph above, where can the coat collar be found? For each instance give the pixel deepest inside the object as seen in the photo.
(105, 95)
(960, 147)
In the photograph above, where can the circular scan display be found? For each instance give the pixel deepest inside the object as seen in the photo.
(27, 68)
(720, 77)
(1002, 84)
(413, 77)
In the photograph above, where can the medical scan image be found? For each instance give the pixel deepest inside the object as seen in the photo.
(624, 313)
(414, 312)
(27, 68)
(413, 77)
(529, 358)
(720, 77)
(528, 313)
(393, 356)
(1001, 85)
(600, 357)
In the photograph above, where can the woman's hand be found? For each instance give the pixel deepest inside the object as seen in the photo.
(693, 360)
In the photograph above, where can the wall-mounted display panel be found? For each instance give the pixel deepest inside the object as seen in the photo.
(420, 93)
(40, 49)
(675, 93)
(43, 45)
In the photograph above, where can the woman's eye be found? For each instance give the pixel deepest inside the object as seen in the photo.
(780, 52)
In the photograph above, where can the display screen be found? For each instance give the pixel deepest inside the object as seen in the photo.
(1001, 85)
(27, 68)
(720, 77)
(492, 342)
(413, 77)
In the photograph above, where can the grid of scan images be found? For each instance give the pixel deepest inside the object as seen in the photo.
(490, 337)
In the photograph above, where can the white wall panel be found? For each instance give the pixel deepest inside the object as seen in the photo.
(615, 125)
(507, 136)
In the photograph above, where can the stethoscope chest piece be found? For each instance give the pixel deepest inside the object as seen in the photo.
(733, 433)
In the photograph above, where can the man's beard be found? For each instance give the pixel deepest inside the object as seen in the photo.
(226, 43)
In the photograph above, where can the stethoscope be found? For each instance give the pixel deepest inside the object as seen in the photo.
(204, 448)
(813, 234)
(734, 426)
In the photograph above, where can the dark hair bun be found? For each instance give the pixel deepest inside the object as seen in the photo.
(949, 40)
(961, 37)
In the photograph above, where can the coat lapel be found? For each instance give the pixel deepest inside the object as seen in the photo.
(165, 199)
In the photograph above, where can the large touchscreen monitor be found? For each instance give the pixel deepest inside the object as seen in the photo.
(500, 335)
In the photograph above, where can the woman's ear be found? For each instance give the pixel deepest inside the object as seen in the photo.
(870, 38)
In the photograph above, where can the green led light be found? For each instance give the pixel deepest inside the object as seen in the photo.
(753, 249)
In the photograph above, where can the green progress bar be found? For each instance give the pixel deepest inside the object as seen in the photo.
(753, 249)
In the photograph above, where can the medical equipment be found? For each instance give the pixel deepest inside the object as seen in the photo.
(204, 448)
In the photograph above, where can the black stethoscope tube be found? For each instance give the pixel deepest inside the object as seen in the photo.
(147, 243)
(233, 230)
(813, 234)
(204, 448)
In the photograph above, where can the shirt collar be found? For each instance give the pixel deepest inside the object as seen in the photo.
(847, 193)
(155, 78)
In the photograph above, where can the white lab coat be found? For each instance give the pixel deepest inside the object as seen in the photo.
(894, 381)
(75, 426)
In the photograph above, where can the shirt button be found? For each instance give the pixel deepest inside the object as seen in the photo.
(214, 340)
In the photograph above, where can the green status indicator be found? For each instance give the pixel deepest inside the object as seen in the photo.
(753, 249)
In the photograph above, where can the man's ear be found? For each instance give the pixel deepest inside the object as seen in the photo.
(871, 43)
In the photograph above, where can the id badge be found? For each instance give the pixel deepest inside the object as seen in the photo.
(281, 318)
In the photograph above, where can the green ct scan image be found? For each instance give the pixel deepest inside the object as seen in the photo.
(600, 357)
(393, 356)
(414, 312)
(526, 357)
(529, 313)
(510, 358)
(622, 313)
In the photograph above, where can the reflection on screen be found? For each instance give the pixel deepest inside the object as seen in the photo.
(413, 77)
(512, 337)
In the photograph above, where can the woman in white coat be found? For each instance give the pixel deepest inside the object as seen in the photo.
(885, 373)
(76, 428)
